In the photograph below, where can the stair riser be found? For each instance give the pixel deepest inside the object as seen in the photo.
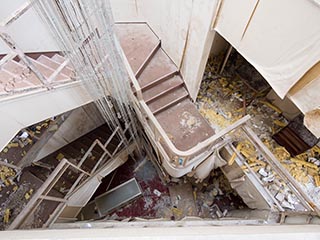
(164, 92)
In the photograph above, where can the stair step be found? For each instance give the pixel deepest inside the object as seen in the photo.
(158, 80)
(54, 65)
(70, 151)
(36, 182)
(136, 42)
(5, 78)
(184, 135)
(168, 100)
(22, 77)
(28, 177)
(50, 160)
(15, 68)
(162, 88)
(113, 143)
(157, 67)
(60, 59)
(47, 72)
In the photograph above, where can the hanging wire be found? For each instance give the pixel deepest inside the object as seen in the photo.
(84, 31)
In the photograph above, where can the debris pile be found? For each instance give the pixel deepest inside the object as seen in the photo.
(7, 176)
(225, 98)
(214, 197)
(279, 189)
(14, 194)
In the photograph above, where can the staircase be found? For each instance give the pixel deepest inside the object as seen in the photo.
(22, 93)
(170, 118)
(67, 172)
(16, 77)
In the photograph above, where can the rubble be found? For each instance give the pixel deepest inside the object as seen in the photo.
(224, 98)
(6, 216)
(28, 194)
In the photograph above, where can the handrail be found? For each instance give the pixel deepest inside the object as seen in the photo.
(131, 75)
(273, 161)
(46, 187)
(161, 131)
(199, 146)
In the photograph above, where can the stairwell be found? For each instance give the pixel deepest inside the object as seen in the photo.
(25, 100)
(55, 179)
(171, 109)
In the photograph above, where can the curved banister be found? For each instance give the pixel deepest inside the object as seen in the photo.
(161, 131)
(199, 146)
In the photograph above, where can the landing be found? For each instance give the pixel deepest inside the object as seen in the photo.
(184, 125)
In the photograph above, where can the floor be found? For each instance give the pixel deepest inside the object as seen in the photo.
(174, 201)
(226, 97)
(16, 190)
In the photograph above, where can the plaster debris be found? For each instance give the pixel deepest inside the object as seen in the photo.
(28, 194)
(225, 98)
(189, 122)
(157, 192)
(6, 216)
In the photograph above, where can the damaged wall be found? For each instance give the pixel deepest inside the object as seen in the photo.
(198, 45)
(81, 121)
(281, 48)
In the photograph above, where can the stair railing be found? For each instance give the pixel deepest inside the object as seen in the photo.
(43, 192)
(184, 158)
(15, 51)
(54, 177)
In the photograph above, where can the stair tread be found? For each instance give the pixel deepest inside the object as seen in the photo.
(54, 65)
(58, 58)
(15, 68)
(64, 181)
(21, 76)
(157, 67)
(187, 127)
(162, 87)
(36, 182)
(167, 99)
(137, 43)
(46, 71)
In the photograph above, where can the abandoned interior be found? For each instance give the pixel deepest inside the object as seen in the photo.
(152, 114)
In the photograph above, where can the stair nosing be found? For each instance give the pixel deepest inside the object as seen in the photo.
(164, 92)
(60, 73)
(159, 80)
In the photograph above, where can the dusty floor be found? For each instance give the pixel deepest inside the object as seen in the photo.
(181, 198)
(14, 190)
(225, 98)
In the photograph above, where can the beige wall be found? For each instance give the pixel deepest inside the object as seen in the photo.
(197, 49)
(28, 31)
(279, 38)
